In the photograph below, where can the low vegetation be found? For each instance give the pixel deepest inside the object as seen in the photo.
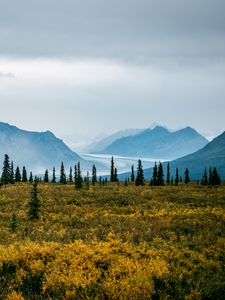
(112, 241)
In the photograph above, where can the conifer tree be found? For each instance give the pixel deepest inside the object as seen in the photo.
(186, 176)
(100, 180)
(31, 177)
(62, 174)
(6, 170)
(53, 175)
(205, 180)
(12, 175)
(112, 175)
(17, 175)
(94, 175)
(215, 177)
(171, 181)
(140, 174)
(13, 223)
(168, 174)
(71, 175)
(155, 174)
(75, 173)
(160, 175)
(79, 179)
(177, 177)
(126, 182)
(24, 175)
(132, 177)
(34, 204)
(46, 178)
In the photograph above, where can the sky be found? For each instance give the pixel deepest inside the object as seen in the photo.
(84, 68)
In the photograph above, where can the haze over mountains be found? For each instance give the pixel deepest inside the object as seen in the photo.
(35, 150)
(158, 142)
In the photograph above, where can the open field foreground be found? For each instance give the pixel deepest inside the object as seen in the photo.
(113, 242)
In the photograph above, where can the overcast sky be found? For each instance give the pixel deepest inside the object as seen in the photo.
(81, 68)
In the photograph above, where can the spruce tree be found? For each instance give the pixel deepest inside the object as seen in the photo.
(155, 175)
(160, 175)
(53, 175)
(17, 175)
(186, 176)
(215, 177)
(24, 175)
(62, 174)
(205, 180)
(112, 174)
(94, 175)
(71, 175)
(13, 223)
(46, 178)
(177, 177)
(34, 204)
(31, 177)
(126, 182)
(140, 174)
(6, 170)
(132, 177)
(79, 179)
(168, 174)
(12, 175)
(75, 173)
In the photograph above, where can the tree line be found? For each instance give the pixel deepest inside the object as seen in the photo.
(9, 175)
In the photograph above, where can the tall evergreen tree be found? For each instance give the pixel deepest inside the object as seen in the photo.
(177, 177)
(6, 170)
(168, 174)
(215, 177)
(112, 174)
(31, 177)
(62, 174)
(132, 177)
(24, 175)
(13, 223)
(46, 178)
(205, 180)
(71, 175)
(79, 179)
(75, 173)
(12, 175)
(17, 175)
(94, 175)
(140, 174)
(186, 176)
(154, 175)
(34, 204)
(53, 175)
(160, 175)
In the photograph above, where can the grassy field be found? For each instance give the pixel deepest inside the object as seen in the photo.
(113, 242)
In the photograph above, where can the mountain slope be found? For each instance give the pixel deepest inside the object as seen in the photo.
(158, 142)
(99, 146)
(213, 154)
(35, 150)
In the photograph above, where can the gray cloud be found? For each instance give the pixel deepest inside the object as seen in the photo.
(136, 30)
(6, 75)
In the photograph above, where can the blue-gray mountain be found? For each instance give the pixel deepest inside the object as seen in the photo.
(35, 150)
(213, 154)
(158, 142)
(98, 146)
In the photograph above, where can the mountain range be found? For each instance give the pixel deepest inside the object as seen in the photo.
(213, 154)
(35, 150)
(158, 142)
